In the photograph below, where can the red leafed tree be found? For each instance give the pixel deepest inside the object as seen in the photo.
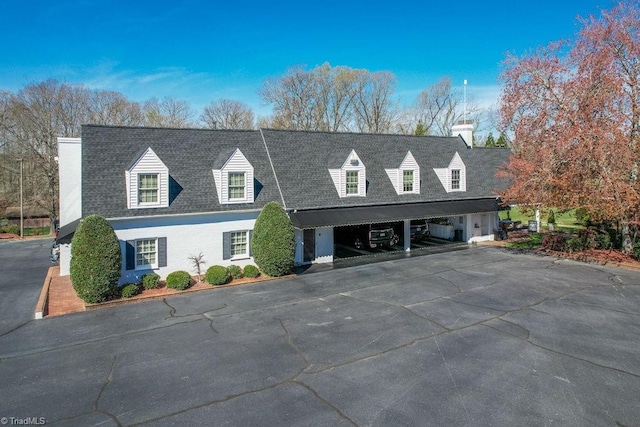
(573, 111)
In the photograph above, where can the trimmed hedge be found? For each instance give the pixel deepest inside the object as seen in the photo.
(11, 229)
(235, 271)
(150, 281)
(179, 280)
(217, 275)
(273, 241)
(130, 290)
(251, 271)
(96, 260)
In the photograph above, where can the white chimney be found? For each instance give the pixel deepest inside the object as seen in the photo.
(464, 128)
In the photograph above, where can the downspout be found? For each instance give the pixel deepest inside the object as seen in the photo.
(284, 205)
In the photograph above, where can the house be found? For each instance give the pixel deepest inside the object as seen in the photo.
(172, 193)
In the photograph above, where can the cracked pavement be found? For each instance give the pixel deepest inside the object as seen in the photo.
(473, 337)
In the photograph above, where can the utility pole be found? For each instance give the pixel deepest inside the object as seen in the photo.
(21, 199)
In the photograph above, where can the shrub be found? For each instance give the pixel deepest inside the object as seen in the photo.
(129, 290)
(150, 281)
(575, 244)
(273, 241)
(251, 271)
(217, 275)
(603, 241)
(11, 229)
(588, 238)
(179, 280)
(96, 260)
(235, 272)
(552, 217)
(555, 242)
(636, 250)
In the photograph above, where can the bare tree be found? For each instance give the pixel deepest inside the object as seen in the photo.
(227, 114)
(294, 99)
(439, 107)
(168, 112)
(32, 121)
(337, 89)
(33, 118)
(331, 99)
(113, 108)
(375, 111)
(198, 262)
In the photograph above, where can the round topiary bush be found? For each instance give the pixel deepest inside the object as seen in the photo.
(179, 280)
(217, 275)
(251, 271)
(96, 260)
(150, 281)
(130, 290)
(235, 271)
(273, 241)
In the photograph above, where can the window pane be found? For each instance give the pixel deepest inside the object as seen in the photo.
(239, 243)
(236, 185)
(407, 180)
(352, 182)
(455, 179)
(148, 188)
(145, 252)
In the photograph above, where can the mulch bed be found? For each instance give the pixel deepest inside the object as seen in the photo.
(162, 290)
(594, 256)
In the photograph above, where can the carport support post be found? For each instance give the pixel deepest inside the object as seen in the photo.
(407, 235)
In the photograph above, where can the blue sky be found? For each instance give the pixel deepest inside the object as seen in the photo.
(200, 51)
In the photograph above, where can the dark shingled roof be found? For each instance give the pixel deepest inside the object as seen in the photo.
(301, 161)
(190, 155)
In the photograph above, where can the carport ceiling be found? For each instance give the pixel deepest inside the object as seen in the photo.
(389, 213)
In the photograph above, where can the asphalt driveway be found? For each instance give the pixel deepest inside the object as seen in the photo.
(473, 337)
(23, 267)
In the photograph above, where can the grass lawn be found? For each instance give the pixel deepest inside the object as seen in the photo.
(564, 221)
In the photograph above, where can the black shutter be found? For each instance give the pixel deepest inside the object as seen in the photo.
(250, 242)
(130, 254)
(226, 245)
(162, 251)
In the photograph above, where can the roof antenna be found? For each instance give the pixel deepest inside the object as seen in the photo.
(464, 106)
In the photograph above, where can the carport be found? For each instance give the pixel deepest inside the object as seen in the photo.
(315, 227)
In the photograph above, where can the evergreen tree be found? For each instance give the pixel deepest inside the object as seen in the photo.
(502, 142)
(490, 142)
(96, 260)
(273, 240)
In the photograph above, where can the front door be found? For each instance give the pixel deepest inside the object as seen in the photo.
(309, 244)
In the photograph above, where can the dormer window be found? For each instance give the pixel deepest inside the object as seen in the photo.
(406, 178)
(147, 182)
(234, 178)
(148, 188)
(454, 177)
(407, 181)
(352, 183)
(237, 185)
(350, 179)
